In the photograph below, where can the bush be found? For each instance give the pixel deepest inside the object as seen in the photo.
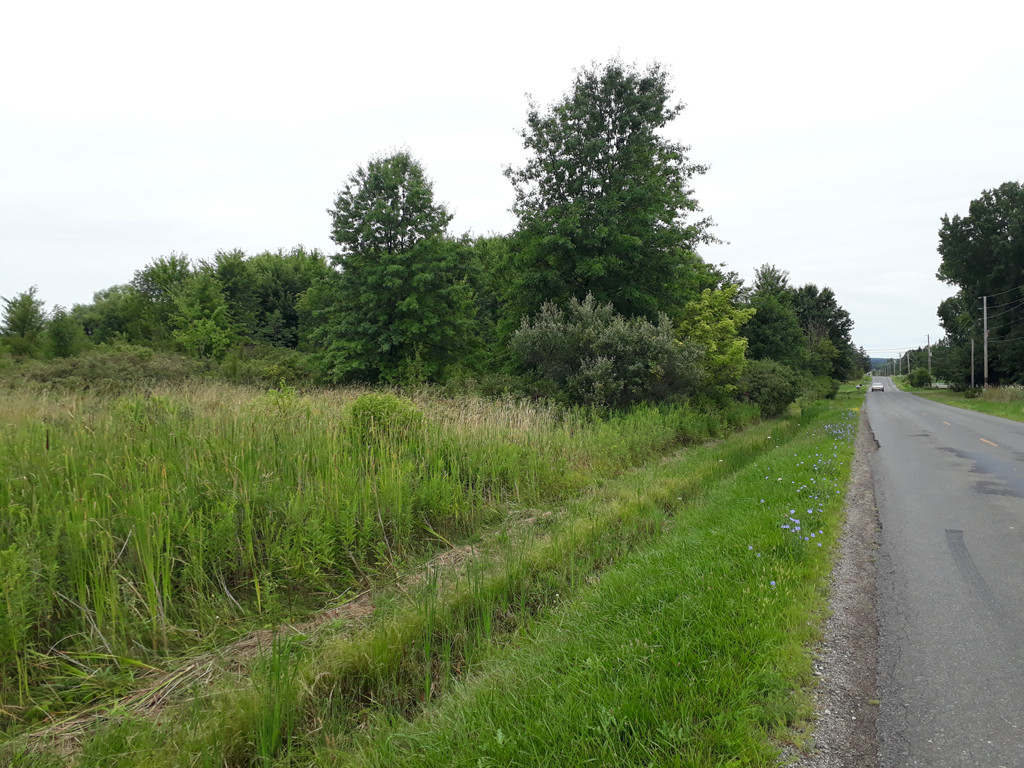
(770, 385)
(378, 417)
(820, 388)
(264, 366)
(919, 377)
(589, 355)
(118, 368)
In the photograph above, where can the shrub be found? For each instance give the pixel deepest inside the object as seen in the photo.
(379, 416)
(770, 385)
(118, 368)
(589, 355)
(267, 366)
(919, 377)
(820, 388)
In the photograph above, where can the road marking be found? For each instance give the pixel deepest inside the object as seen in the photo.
(989, 442)
(947, 424)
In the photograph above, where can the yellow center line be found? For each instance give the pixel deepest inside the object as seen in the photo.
(988, 441)
(947, 424)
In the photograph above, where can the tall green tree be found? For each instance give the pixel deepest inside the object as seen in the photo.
(23, 321)
(264, 292)
(604, 201)
(774, 332)
(64, 333)
(827, 328)
(983, 254)
(402, 306)
(201, 323)
(120, 312)
(158, 283)
(387, 207)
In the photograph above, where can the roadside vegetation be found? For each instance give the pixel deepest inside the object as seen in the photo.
(1006, 401)
(139, 525)
(714, 537)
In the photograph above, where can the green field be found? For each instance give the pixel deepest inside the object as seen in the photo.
(146, 538)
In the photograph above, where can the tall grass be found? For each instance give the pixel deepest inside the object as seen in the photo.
(139, 525)
(686, 652)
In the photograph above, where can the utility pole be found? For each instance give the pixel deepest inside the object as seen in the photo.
(929, 355)
(984, 304)
(972, 362)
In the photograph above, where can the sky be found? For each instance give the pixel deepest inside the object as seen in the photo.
(837, 134)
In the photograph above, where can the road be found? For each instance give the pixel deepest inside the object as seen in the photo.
(949, 486)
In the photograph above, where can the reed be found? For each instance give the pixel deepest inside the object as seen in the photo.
(142, 525)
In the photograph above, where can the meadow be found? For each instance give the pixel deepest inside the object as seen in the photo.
(653, 589)
(139, 527)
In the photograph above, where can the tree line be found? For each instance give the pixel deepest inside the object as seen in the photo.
(598, 296)
(982, 254)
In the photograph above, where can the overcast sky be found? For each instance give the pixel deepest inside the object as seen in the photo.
(838, 134)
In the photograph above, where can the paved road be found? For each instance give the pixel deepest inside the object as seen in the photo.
(949, 486)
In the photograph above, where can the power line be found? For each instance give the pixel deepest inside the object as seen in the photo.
(1003, 293)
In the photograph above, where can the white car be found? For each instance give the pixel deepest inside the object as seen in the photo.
(878, 387)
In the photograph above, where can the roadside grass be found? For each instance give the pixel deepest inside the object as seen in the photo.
(995, 401)
(425, 637)
(138, 528)
(692, 650)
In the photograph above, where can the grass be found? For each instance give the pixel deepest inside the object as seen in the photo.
(1006, 402)
(662, 618)
(685, 652)
(136, 528)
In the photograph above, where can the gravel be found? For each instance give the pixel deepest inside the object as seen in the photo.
(846, 662)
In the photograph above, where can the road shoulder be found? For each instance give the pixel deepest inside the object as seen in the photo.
(846, 662)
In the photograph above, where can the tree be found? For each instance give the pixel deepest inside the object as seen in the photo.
(118, 312)
(23, 321)
(398, 316)
(64, 333)
(386, 207)
(983, 254)
(264, 292)
(201, 324)
(402, 305)
(713, 323)
(827, 327)
(158, 283)
(769, 384)
(604, 201)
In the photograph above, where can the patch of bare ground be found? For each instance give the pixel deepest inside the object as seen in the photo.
(846, 662)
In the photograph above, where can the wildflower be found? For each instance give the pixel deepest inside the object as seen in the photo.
(773, 583)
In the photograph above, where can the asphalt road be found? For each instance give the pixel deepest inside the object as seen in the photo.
(949, 485)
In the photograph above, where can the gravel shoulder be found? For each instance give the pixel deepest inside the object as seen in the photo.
(846, 662)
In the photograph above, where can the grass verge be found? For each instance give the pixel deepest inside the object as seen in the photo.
(1013, 410)
(305, 696)
(687, 652)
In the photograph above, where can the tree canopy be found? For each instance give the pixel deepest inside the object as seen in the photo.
(983, 254)
(387, 206)
(23, 321)
(604, 200)
(402, 299)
